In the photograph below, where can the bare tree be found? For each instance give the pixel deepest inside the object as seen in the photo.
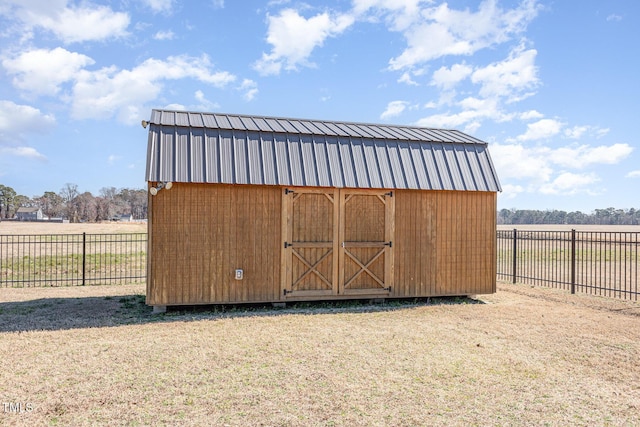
(52, 204)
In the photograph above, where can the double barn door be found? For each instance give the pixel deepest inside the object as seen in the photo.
(337, 242)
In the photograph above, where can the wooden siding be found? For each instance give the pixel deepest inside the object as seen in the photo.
(444, 243)
(200, 234)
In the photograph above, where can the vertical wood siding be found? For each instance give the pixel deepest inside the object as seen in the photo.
(445, 243)
(199, 234)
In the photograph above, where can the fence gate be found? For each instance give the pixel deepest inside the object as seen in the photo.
(337, 242)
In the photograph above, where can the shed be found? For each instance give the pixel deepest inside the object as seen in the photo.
(265, 209)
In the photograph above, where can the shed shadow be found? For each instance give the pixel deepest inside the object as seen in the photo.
(51, 314)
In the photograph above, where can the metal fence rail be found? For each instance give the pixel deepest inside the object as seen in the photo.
(72, 259)
(597, 263)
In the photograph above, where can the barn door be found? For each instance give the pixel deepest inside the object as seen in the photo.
(310, 240)
(366, 232)
(337, 242)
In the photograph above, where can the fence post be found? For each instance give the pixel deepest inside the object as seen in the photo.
(515, 248)
(573, 261)
(84, 257)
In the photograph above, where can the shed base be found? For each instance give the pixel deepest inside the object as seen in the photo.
(159, 309)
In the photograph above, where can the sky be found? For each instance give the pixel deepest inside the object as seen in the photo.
(551, 85)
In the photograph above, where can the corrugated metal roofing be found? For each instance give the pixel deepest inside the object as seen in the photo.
(235, 149)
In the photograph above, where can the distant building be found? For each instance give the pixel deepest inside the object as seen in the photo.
(122, 218)
(29, 214)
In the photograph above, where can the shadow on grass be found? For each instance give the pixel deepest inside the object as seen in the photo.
(51, 314)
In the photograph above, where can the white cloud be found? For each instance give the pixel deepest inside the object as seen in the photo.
(584, 155)
(250, 89)
(568, 183)
(203, 103)
(110, 91)
(512, 79)
(440, 31)
(16, 122)
(576, 132)
(539, 165)
(446, 78)
(293, 38)
(164, 35)
(614, 17)
(501, 82)
(510, 191)
(400, 14)
(394, 108)
(406, 78)
(70, 23)
(27, 152)
(531, 115)
(518, 162)
(159, 5)
(542, 129)
(633, 174)
(16, 119)
(474, 110)
(175, 107)
(41, 71)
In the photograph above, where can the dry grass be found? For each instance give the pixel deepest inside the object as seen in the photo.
(526, 356)
(13, 227)
(569, 227)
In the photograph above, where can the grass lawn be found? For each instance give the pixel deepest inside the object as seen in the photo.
(523, 356)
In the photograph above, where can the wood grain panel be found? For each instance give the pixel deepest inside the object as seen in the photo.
(202, 233)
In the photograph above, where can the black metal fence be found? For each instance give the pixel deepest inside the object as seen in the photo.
(597, 263)
(72, 259)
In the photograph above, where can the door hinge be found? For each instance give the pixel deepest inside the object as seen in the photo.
(287, 191)
(284, 292)
(388, 289)
(287, 244)
(390, 194)
(390, 244)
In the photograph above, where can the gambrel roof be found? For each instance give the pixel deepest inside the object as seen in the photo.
(197, 147)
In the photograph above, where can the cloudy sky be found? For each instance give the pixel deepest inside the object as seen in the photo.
(552, 85)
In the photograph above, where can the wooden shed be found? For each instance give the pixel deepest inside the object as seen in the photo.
(263, 209)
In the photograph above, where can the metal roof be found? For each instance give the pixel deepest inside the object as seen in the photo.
(235, 149)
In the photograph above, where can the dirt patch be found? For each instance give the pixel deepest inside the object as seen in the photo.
(523, 356)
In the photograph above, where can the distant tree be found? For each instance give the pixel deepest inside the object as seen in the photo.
(136, 201)
(7, 202)
(83, 208)
(69, 192)
(609, 216)
(22, 201)
(52, 204)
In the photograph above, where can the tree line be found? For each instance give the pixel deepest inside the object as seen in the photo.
(609, 216)
(69, 203)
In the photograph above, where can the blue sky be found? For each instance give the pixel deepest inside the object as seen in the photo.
(551, 85)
